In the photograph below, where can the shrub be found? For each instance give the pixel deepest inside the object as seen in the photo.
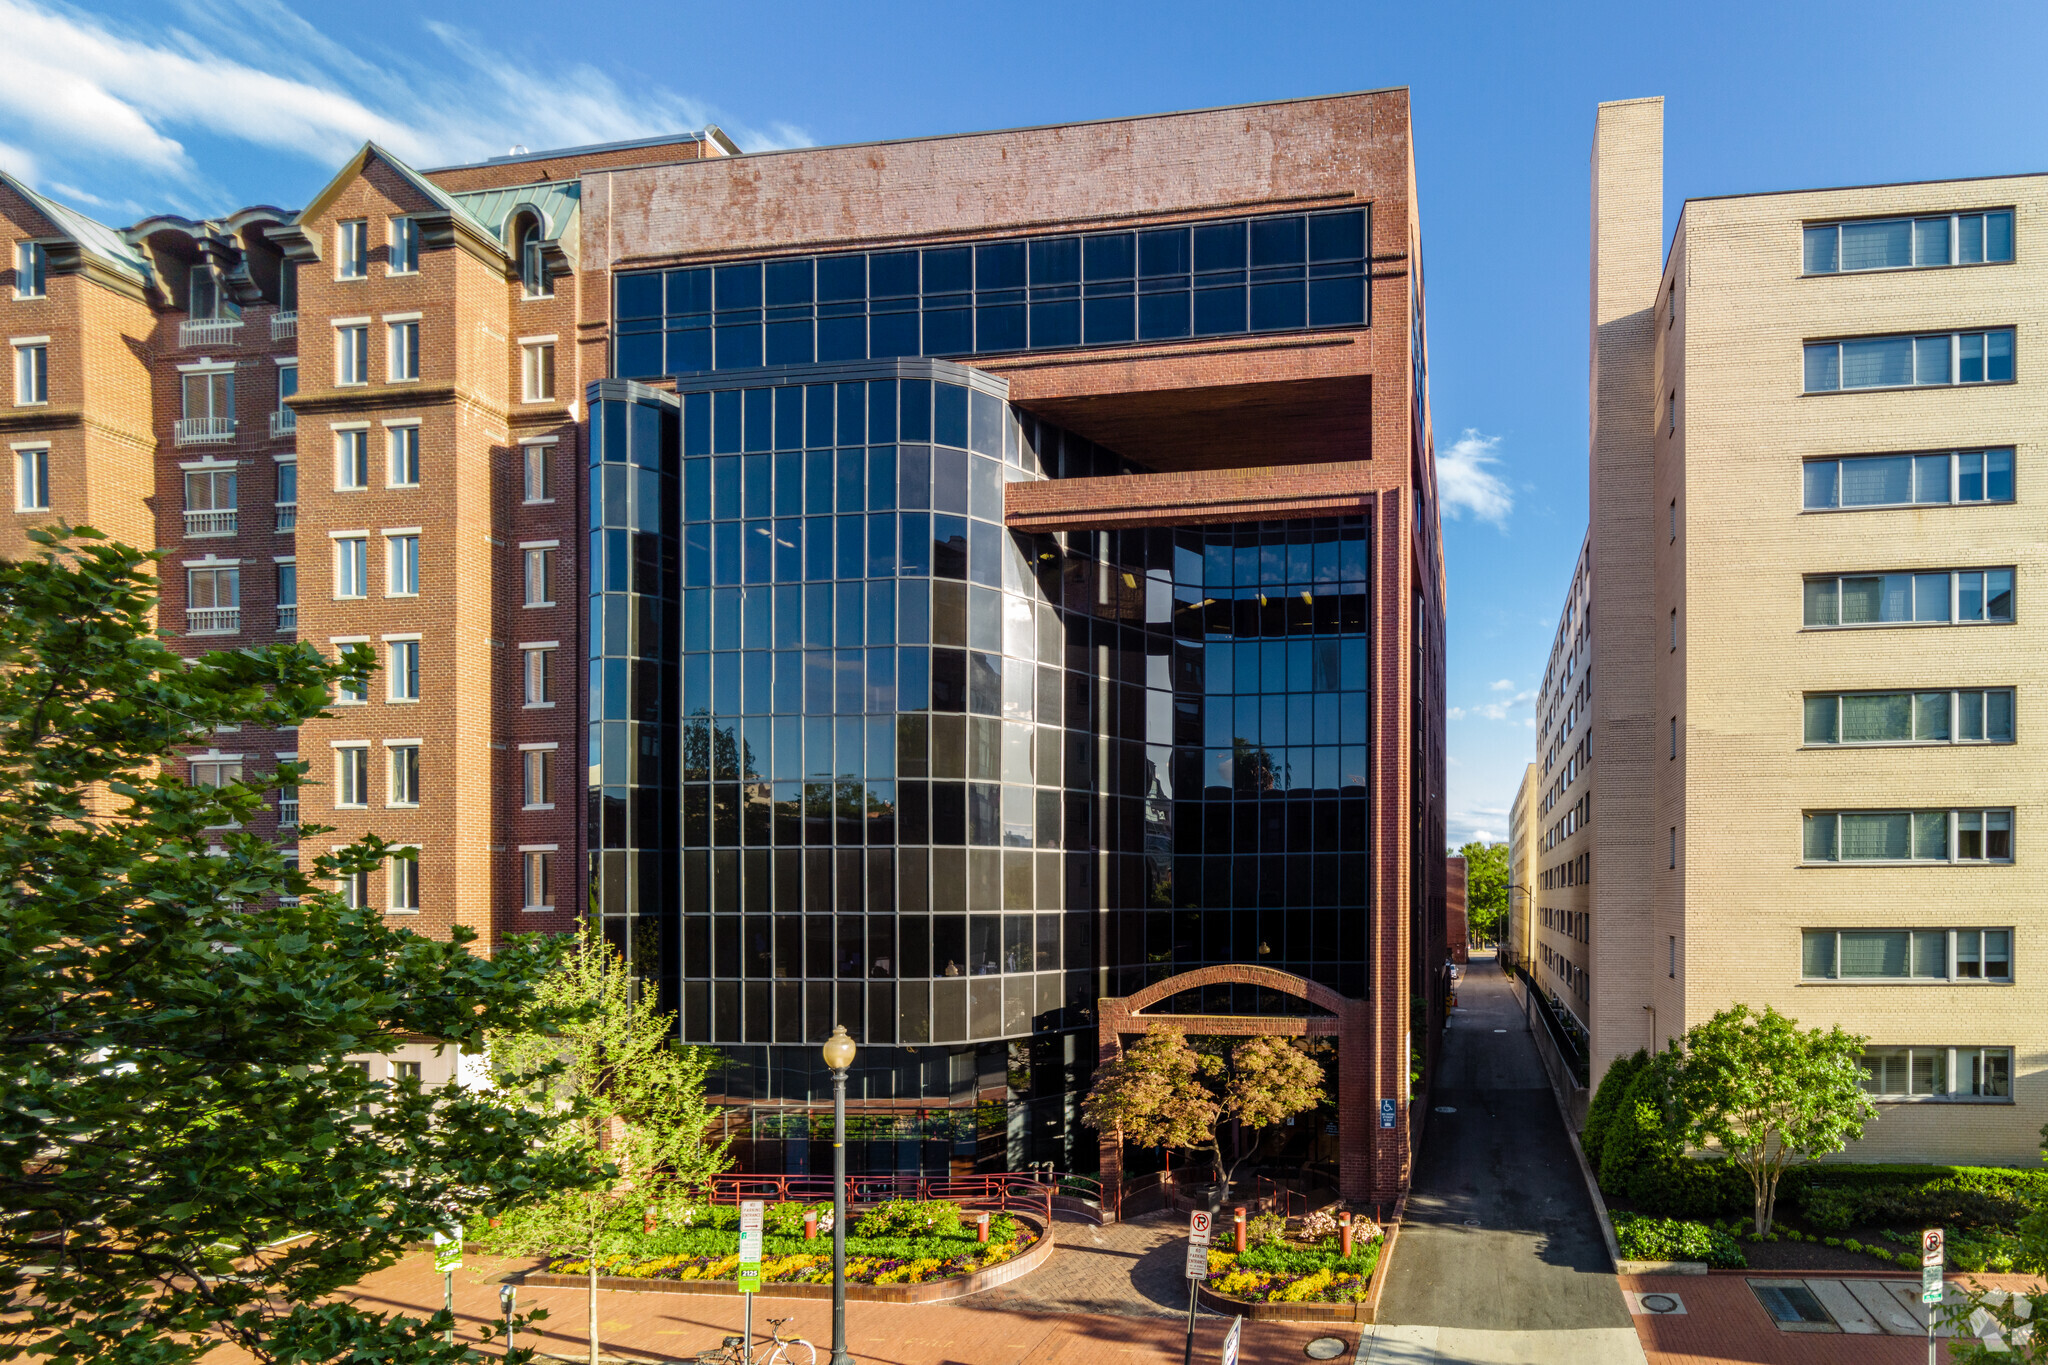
(1322, 1223)
(787, 1220)
(910, 1218)
(1644, 1238)
(1910, 1199)
(1607, 1102)
(1264, 1228)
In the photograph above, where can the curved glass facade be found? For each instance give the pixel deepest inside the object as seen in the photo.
(861, 755)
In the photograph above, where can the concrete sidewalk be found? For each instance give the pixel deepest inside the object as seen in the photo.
(1501, 1257)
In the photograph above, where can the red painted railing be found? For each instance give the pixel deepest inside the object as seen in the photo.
(1025, 1193)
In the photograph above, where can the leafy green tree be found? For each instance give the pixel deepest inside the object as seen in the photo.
(1769, 1093)
(624, 1102)
(1486, 890)
(1163, 1092)
(177, 1000)
(1999, 1326)
(1607, 1102)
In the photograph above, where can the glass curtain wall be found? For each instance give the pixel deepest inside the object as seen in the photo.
(943, 783)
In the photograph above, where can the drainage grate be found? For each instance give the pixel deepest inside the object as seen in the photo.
(1792, 1306)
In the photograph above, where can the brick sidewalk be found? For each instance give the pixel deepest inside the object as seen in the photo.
(669, 1327)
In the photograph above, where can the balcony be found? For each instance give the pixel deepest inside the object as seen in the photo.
(284, 326)
(284, 422)
(216, 521)
(287, 518)
(288, 616)
(213, 620)
(208, 332)
(205, 431)
(287, 812)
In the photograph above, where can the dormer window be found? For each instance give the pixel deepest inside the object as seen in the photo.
(532, 276)
(31, 271)
(205, 297)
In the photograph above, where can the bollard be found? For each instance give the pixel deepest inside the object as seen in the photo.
(1344, 1227)
(1240, 1232)
(981, 1227)
(811, 1226)
(647, 1219)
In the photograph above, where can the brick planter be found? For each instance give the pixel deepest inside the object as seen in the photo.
(1287, 1312)
(931, 1291)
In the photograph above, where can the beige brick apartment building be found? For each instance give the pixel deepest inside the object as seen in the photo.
(1784, 748)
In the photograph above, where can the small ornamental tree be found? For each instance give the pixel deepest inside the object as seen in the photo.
(1769, 1093)
(187, 1158)
(624, 1102)
(1164, 1093)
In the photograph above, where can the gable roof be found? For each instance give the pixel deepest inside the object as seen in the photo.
(91, 235)
(354, 166)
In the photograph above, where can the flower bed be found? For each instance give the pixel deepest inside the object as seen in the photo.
(1312, 1268)
(900, 1243)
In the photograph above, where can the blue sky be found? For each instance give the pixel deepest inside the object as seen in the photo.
(175, 105)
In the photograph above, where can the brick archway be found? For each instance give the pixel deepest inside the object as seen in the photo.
(1348, 1021)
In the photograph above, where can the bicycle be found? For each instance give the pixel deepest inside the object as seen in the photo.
(786, 1350)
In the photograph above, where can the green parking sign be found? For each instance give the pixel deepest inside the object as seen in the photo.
(750, 1246)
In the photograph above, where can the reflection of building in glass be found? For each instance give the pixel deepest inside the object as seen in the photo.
(987, 615)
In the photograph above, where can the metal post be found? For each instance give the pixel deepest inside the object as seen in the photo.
(749, 1329)
(448, 1302)
(508, 1299)
(840, 1356)
(1187, 1355)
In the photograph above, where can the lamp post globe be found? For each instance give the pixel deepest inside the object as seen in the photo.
(839, 1050)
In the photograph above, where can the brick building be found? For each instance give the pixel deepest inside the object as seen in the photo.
(1783, 749)
(1012, 576)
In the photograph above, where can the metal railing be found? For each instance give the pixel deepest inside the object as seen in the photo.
(284, 422)
(213, 620)
(287, 812)
(288, 616)
(203, 431)
(209, 331)
(213, 521)
(1025, 1193)
(284, 325)
(1568, 1046)
(287, 517)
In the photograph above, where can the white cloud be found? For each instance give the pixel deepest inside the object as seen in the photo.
(125, 96)
(20, 161)
(1498, 710)
(1455, 713)
(1465, 484)
(1502, 686)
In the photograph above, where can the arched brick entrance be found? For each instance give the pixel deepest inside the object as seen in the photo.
(1349, 1022)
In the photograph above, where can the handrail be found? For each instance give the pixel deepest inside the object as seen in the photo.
(1568, 1047)
(1002, 1192)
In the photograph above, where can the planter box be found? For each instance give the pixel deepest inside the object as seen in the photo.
(931, 1291)
(1286, 1312)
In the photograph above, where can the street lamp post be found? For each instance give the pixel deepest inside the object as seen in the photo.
(838, 1057)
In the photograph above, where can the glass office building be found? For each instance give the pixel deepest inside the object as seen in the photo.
(861, 755)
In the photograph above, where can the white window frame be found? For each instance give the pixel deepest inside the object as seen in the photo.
(215, 569)
(537, 775)
(351, 774)
(539, 561)
(31, 476)
(345, 696)
(1954, 1061)
(402, 348)
(394, 648)
(31, 371)
(1955, 697)
(535, 454)
(1954, 490)
(401, 561)
(287, 571)
(1955, 593)
(537, 673)
(402, 452)
(1953, 240)
(352, 249)
(351, 352)
(1953, 341)
(351, 457)
(534, 281)
(403, 255)
(1953, 831)
(345, 558)
(537, 871)
(537, 369)
(31, 271)
(394, 770)
(1951, 971)
(402, 883)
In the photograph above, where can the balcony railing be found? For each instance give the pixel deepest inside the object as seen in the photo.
(213, 620)
(283, 422)
(287, 517)
(284, 325)
(287, 812)
(288, 616)
(217, 521)
(209, 331)
(205, 431)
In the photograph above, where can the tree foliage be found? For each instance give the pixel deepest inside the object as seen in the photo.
(624, 1102)
(1163, 1092)
(2006, 1326)
(1486, 890)
(177, 999)
(1769, 1093)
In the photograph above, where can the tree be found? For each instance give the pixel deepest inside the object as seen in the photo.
(1486, 890)
(1162, 1092)
(177, 1001)
(624, 1102)
(2008, 1326)
(1769, 1093)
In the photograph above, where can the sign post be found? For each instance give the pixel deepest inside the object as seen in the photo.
(1198, 1270)
(448, 1260)
(508, 1299)
(1932, 1253)
(1230, 1343)
(750, 1262)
